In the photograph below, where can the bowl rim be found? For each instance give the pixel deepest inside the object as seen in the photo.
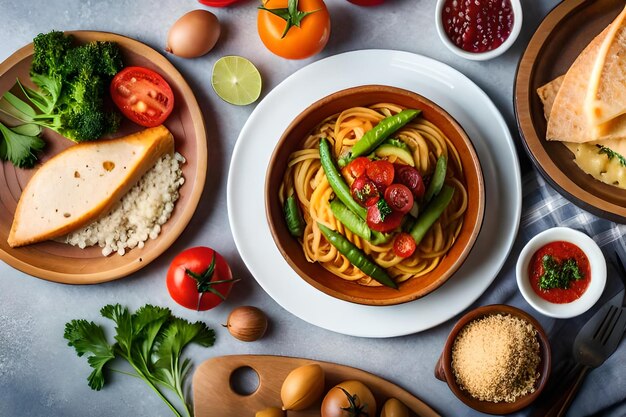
(481, 56)
(376, 88)
(597, 263)
(545, 365)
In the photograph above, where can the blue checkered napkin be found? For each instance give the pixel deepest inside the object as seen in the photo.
(604, 391)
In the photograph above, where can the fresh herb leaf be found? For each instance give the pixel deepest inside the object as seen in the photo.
(87, 337)
(291, 15)
(557, 275)
(384, 209)
(151, 340)
(610, 153)
(19, 148)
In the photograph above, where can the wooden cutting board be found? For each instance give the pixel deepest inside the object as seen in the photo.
(214, 396)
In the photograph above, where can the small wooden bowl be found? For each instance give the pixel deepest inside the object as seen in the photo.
(443, 368)
(314, 273)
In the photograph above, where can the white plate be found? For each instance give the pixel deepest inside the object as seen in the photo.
(464, 100)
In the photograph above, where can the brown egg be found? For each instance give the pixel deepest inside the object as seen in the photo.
(194, 34)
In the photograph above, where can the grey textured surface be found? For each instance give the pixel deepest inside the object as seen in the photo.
(41, 376)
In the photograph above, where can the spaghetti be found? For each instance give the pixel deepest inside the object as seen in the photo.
(306, 179)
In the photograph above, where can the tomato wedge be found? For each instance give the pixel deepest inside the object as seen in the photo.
(404, 245)
(381, 172)
(409, 176)
(364, 191)
(357, 167)
(399, 198)
(375, 221)
(142, 95)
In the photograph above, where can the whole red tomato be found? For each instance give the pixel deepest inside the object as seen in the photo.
(199, 278)
(299, 35)
(217, 3)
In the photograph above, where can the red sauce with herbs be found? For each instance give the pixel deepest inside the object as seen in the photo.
(560, 251)
(478, 25)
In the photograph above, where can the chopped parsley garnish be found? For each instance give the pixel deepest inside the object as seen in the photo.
(610, 153)
(558, 275)
(384, 209)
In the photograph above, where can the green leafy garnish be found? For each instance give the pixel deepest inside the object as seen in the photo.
(291, 15)
(558, 275)
(610, 153)
(151, 341)
(384, 209)
(20, 144)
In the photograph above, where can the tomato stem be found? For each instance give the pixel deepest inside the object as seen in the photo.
(204, 283)
(291, 15)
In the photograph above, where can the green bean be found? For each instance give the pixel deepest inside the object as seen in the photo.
(431, 213)
(339, 186)
(436, 181)
(293, 217)
(357, 257)
(350, 220)
(385, 128)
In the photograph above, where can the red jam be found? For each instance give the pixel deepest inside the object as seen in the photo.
(560, 251)
(478, 25)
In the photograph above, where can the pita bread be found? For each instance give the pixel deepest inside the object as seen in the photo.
(568, 121)
(606, 93)
(587, 156)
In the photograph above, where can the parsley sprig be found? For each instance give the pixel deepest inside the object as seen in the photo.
(151, 340)
(558, 275)
(610, 153)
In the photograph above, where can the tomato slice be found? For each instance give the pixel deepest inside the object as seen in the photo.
(409, 176)
(404, 245)
(399, 198)
(142, 95)
(375, 221)
(357, 167)
(364, 191)
(381, 172)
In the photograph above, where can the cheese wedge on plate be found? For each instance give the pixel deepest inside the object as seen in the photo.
(606, 92)
(83, 182)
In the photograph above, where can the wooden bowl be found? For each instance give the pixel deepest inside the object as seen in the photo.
(314, 273)
(562, 35)
(60, 262)
(443, 368)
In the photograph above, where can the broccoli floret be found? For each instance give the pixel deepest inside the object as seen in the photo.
(73, 82)
(50, 51)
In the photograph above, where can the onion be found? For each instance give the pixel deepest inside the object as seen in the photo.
(247, 323)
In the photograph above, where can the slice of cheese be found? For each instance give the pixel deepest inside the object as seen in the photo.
(606, 92)
(82, 183)
(568, 121)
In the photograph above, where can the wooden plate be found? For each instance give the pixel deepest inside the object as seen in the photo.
(563, 34)
(64, 263)
(214, 396)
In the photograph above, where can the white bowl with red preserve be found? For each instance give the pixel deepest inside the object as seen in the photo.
(561, 272)
(478, 29)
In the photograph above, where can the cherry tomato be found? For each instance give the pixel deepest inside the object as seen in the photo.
(399, 198)
(404, 245)
(409, 176)
(364, 191)
(357, 167)
(367, 2)
(142, 95)
(374, 221)
(299, 42)
(217, 3)
(381, 172)
(199, 278)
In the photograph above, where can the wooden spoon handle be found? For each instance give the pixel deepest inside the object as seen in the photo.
(557, 405)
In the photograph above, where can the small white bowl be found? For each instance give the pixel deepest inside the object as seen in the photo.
(597, 265)
(480, 56)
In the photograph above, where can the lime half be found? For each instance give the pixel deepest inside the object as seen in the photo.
(236, 80)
